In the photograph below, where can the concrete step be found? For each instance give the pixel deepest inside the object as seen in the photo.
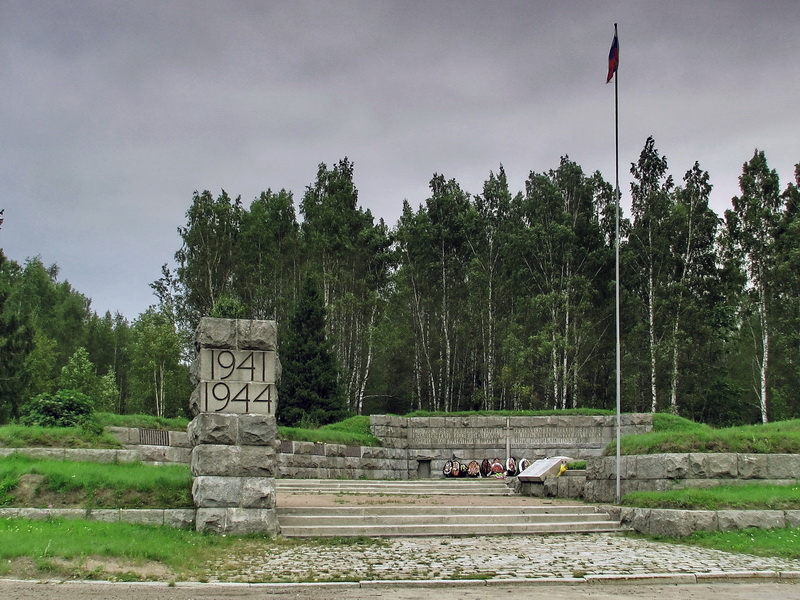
(412, 519)
(459, 511)
(460, 529)
(479, 487)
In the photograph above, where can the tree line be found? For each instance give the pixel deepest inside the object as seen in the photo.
(492, 300)
(505, 300)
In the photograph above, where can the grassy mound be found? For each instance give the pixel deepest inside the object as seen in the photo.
(352, 432)
(40, 483)
(142, 421)
(675, 434)
(21, 436)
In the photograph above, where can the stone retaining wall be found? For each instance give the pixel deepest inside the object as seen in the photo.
(181, 518)
(94, 455)
(439, 439)
(176, 449)
(679, 523)
(309, 460)
(294, 460)
(663, 472)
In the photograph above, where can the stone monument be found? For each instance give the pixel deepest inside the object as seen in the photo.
(234, 431)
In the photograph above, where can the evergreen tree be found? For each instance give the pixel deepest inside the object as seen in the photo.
(309, 390)
(16, 344)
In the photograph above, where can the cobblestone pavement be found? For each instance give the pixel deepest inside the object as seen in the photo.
(486, 557)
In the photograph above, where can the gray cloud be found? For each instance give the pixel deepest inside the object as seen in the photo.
(114, 113)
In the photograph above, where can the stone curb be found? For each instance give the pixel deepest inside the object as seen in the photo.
(643, 578)
(605, 579)
(179, 518)
(738, 576)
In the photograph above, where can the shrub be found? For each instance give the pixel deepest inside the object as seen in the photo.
(65, 408)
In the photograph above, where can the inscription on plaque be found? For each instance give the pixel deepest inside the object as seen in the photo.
(237, 381)
(522, 436)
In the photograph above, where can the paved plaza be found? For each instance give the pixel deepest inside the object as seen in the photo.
(592, 556)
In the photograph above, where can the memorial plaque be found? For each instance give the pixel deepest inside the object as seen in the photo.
(237, 381)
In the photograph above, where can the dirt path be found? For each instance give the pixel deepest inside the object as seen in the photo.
(100, 591)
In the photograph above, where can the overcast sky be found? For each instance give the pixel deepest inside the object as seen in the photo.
(112, 113)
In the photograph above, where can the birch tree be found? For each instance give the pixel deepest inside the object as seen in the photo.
(649, 249)
(750, 232)
(488, 240)
(207, 258)
(692, 246)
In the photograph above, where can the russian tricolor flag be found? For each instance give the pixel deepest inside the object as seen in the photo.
(613, 58)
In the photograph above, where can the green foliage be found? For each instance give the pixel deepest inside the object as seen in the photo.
(228, 307)
(745, 497)
(21, 436)
(79, 374)
(65, 408)
(208, 255)
(40, 365)
(16, 345)
(309, 388)
(782, 437)
(107, 392)
(158, 379)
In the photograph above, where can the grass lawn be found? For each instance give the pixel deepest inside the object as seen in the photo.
(120, 551)
(62, 547)
(784, 543)
(745, 497)
(93, 485)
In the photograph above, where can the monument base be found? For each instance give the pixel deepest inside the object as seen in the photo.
(238, 521)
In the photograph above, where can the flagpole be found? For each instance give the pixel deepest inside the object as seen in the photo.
(616, 252)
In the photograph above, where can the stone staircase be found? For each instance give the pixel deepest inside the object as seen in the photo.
(388, 517)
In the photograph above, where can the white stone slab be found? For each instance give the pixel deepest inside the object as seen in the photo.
(543, 467)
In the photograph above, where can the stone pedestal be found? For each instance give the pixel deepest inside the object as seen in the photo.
(233, 465)
(233, 437)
